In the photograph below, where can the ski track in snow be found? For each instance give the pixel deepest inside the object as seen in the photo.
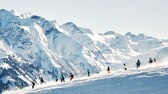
(139, 81)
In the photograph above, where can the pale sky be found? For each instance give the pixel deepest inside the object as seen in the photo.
(137, 16)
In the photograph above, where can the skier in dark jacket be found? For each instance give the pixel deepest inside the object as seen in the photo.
(150, 60)
(154, 60)
(138, 63)
(125, 68)
(33, 84)
(5, 87)
(71, 76)
(22, 85)
(108, 69)
(62, 78)
(88, 72)
(41, 80)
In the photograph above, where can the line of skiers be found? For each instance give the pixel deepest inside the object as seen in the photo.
(41, 81)
(62, 78)
(71, 76)
(125, 67)
(150, 61)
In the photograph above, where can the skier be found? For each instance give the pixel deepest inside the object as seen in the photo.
(150, 60)
(124, 66)
(88, 72)
(33, 84)
(154, 60)
(138, 63)
(5, 87)
(22, 84)
(108, 69)
(62, 78)
(71, 76)
(41, 80)
(5, 60)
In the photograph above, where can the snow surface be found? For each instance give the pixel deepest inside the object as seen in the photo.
(149, 79)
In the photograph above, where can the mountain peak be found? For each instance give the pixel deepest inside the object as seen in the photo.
(7, 12)
(112, 33)
(109, 33)
(7, 16)
(26, 15)
(86, 30)
(4, 11)
(70, 24)
(14, 12)
(141, 35)
(129, 34)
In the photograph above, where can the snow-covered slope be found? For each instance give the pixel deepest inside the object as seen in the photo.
(32, 47)
(149, 79)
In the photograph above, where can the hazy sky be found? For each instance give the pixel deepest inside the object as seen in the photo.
(136, 16)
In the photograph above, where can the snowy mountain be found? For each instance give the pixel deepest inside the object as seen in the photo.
(32, 47)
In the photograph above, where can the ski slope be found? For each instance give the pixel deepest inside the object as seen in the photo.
(149, 79)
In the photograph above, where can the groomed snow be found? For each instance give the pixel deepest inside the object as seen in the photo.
(149, 79)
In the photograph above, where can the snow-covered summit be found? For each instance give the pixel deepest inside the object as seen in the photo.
(86, 30)
(110, 33)
(138, 37)
(70, 26)
(129, 34)
(26, 15)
